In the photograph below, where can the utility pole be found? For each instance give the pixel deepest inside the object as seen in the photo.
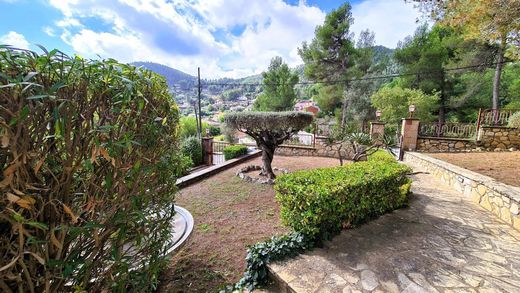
(200, 112)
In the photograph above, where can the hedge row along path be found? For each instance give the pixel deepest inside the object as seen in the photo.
(229, 214)
(441, 243)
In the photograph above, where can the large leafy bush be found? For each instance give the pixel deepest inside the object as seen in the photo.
(394, 102)
(234, 151)
(319, 202)
(192, 148)
(88, 156)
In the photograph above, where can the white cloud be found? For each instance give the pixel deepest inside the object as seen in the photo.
(391, 20)
(186, 34)
(14, 39)
(49, 31)
(182, 34)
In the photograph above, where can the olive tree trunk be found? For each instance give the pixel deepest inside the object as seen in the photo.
(267, 159)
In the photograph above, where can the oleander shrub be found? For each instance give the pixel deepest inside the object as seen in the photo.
(320, 202)
(514, 120)
(89, 153)
(192, 148)
(234, 151)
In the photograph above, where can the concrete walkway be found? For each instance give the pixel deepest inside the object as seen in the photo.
(441, 243)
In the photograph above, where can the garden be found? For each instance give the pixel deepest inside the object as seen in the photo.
(230, 214)
(90, 154)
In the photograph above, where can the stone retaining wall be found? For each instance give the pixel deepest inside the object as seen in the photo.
(499, 138)
(440, 144)
(321, 149)
(501, 199)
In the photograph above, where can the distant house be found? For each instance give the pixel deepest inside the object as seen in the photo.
(307, 106)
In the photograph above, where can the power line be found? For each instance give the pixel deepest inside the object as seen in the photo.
(394, 75)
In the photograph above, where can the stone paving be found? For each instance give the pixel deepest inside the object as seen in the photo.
(441, 243)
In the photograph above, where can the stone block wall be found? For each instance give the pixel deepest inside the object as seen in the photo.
(440, 144)
(501, 199)
(321, 149)
(499, 138)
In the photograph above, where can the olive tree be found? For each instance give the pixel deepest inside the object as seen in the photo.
(269, 130)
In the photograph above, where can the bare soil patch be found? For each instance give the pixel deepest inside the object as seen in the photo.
(229, 214)
(503, 166)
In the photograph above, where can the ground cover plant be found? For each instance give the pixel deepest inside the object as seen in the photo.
(89, 157)
(234, 151)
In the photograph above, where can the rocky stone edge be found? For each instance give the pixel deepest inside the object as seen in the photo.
(501, 199)
(242, 174)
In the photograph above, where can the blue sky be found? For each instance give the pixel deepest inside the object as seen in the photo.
(226, 38)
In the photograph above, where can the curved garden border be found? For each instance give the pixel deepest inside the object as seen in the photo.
(242, 174)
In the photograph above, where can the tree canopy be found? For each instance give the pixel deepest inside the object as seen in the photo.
(496, 22)
(331, 54)
(278, 86)
(269, 130)
(394, 101)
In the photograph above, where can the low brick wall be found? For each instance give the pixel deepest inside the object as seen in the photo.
(440, 144)
(499, 138)
(501, 199)
(321, 149)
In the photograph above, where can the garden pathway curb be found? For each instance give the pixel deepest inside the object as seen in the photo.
(206, 172)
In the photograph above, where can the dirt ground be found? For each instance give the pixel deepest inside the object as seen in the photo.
(503, 166)
(229, 215)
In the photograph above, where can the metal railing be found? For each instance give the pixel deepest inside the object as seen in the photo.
(495, 117)
(448, 129)
(301, 139)
(218, 150)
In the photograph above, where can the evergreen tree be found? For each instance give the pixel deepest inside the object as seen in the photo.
(278, 84)
(331, 54)
(429, 52)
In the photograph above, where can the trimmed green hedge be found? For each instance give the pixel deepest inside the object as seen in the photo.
(234, 151)
(319, 202)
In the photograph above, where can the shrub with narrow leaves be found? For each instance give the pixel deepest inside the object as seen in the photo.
(89, 154)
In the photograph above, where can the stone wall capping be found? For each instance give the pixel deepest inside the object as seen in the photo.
(499, 198)
(454, 139)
